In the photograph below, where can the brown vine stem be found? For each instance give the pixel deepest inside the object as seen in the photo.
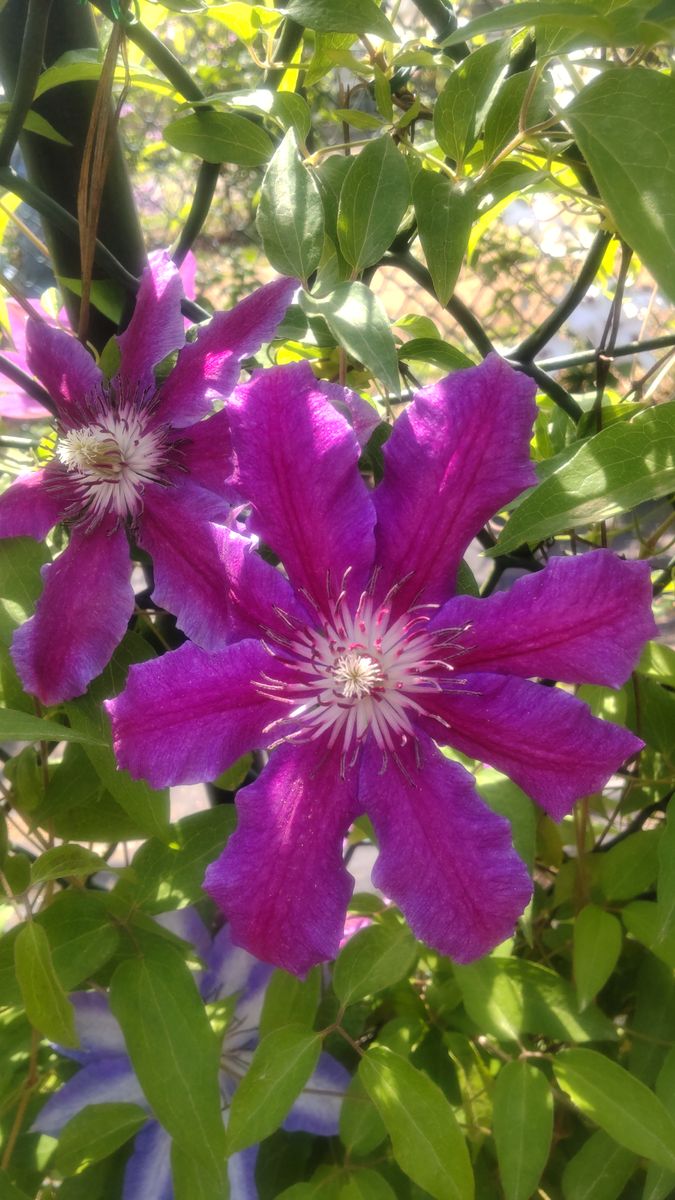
(96, 156)
(30, 1083)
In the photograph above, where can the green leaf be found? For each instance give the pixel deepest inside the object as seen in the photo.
(502, 121)
(196, 1180)
(358, 322)
(169, 873)
(280, 1068)
(665, 892)
(147, 808)
(22, 727)
(80, 66)
(522, 1127)
(373, 200)
(8, 1190)
(290, 214)
(426, 1139)
(342, 16)
(641, 919)
(619, 1103)
(631, 866)
(95, 1132)
(172, 1048)
(653, 1017)
(599, 1171)
(20, 581)
(660, 1181)
(597, 946)
(220, 137)
(367, 1185)
(77, 806)
(464, 102)
(290, 1001)
(444, 219)
(625, 125)
(373, 959)
(507, 997)
(47, 1006)
(612, 472)
(361, 1127)
(433, 350)
(532, 12)
(65, 861)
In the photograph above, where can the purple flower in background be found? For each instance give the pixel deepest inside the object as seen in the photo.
(132, 455)
(107, 1075)
(359, 661)
(15, 405)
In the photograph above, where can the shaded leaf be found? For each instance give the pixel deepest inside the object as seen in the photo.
(597, 946)
(220, 137)
(522, 1127)
(625, 125)
(22, 727)
(373, 959)
(280, 1068)
(172, 1048)
(347, 16)
(599, 1171)
(47, 1006)
(290, 217)
(95, 1132)
(358, 322)
(462, 105)
(374, 196)
(621, 466)
(290, 1001)
(619, 1103)
(444, 219)
(426, 1139)
(65, 861)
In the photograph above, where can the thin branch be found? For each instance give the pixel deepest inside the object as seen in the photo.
(30, 65)
(531, 345)
(583, 357)
(557, 393)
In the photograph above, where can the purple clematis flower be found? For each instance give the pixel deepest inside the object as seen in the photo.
(108, 1076)
(138, 456)
(361, 660)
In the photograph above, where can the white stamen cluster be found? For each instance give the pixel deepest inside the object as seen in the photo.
(111, 459)
(360, 672)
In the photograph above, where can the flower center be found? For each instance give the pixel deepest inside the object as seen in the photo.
(112, 458)
(359, 673)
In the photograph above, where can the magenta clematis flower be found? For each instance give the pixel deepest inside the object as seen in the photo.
(132, 456)
(357, 664)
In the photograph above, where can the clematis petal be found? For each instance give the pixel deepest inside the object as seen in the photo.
(147, 1175)
(156, 327)
(445, 857)
(455, 456)
(259, 598)
(545, 740)
(62, 364)
(176, 528)
(109, 1080)
(317, 1108)
(230, 971)
(206, 452)
(209, 367)
(187, 716)
(281, 880)
(241, 1174)
(362, 416)
(29, 508)
(297, 464)
(81, 616)
(15, 403)
(580, 620)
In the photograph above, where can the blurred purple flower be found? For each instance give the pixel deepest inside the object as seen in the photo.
(132, 456)
(108, 1076)
(359, 660)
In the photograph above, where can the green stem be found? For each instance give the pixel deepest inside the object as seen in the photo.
(207, 179)
(30, 65)
(583, 357)
(159, 54)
